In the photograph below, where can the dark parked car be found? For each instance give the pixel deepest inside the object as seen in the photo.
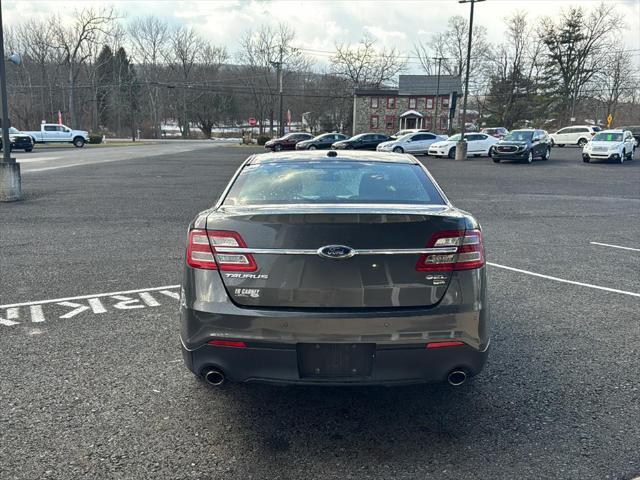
(19, 140)
(321, 142)
(288, 142)
(635, 131)
(334, 268)
(522, 145)
(364, 141)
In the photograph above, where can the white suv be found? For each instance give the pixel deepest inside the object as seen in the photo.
(616, 145)
(575, 135)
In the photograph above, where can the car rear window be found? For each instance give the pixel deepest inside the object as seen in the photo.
(332, 182)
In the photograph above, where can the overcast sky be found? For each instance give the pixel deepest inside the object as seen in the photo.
(320, 24)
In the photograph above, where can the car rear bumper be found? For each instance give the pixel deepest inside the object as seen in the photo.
(391, 365)
(272, 336)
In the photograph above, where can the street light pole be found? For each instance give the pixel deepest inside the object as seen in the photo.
(461, 145)
(439, 60)
(10, 181)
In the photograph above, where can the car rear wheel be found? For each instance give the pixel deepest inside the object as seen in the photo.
(586, 159)
(312, 147)
(398, 150)
(28, 149)
(78, 142)
(452, 152)
(582, 142)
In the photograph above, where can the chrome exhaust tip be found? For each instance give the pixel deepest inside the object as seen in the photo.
(214, 377)
(457, 377)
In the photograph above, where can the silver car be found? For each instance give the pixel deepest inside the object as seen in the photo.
(334, 268)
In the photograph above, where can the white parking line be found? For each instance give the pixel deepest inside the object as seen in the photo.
(615, 246)
(95, 295)
(556, 279)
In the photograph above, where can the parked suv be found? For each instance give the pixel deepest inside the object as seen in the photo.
(635, 131)
(498, 132)
(523, 145)
(288, 142)
(575, 135)
(617, 145)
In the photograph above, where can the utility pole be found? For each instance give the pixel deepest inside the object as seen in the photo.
(461, 145)
(10, 180)
(133, 110)
(439, 60)
(278, 66)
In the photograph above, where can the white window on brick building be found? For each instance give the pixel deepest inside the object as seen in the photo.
(374, 102)
(413, 103)
(374, 121)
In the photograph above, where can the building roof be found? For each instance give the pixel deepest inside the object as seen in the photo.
(427, 84)
(418, 85)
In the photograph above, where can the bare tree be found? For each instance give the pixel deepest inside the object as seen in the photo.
(261, 51)
(452, 45)
(149, 36)
(616, 81)
(577, 45)
(74, 43)
(365, 64)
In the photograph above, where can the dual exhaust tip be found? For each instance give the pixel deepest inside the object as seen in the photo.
(216, 378)
(457, 377)
(213, 376)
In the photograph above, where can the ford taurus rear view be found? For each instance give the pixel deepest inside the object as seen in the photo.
(334, 268)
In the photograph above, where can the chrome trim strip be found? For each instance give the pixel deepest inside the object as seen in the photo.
(373, 251)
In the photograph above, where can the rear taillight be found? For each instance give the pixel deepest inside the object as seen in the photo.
(227, 343)
(202, 251)
(469, 254)
(453, 343)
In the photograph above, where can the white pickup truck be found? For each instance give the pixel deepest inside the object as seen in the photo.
(55, 133)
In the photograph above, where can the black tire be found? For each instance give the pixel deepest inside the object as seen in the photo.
(452, 152)
(28, 149)
(582, 142)
(277, 148)
(312, 147)
(78, 142)
(547, 153)
(530, 157)
(630, 155)
(586, 159)
(496, 160)
(561, 145)
(398, 150)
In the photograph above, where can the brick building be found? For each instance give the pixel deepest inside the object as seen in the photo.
(411, 105)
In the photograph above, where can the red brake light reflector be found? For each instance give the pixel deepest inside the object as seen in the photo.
(203, 251)
(227, 343)
(453, 343)
(469, 254)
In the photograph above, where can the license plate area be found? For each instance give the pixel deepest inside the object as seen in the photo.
(335, 360)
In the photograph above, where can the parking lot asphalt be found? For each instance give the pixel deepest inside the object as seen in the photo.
(92, 384)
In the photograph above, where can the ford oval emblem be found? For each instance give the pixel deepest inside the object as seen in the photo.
(336, 252)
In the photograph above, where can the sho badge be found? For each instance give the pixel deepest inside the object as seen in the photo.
(336, 252)
(247, 292)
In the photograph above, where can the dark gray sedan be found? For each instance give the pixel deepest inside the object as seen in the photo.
(334, 268)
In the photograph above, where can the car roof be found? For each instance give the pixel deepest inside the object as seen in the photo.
(340, 155)
(613, 130)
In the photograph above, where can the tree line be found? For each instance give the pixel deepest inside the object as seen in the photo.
(112, 76)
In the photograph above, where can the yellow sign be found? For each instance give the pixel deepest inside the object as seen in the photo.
(609, 120)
